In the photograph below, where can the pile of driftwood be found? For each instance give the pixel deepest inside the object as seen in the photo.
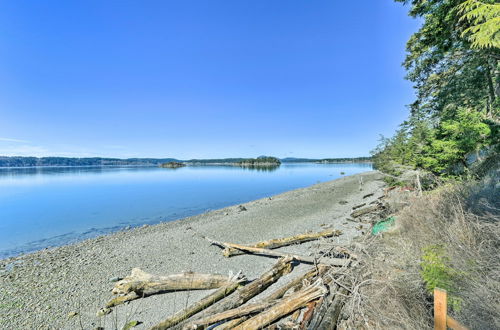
(312, 300)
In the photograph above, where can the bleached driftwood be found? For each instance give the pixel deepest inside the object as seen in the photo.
(285, 306)
(234, 313)
(280, 242)
(141, 284)
(242, 313)
(197, 307)
(247, 292)
(270, 253)
(231, 324)
(279, 293)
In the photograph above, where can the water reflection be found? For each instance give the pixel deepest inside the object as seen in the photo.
(47, 206)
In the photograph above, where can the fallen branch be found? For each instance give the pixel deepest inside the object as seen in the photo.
(285, 307)
(265, 252)
(279, 242)
(197, 307)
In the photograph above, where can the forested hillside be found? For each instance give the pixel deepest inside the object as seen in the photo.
(453, 62)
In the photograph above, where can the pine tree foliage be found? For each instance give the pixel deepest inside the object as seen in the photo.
(453, 61)
(485, 20)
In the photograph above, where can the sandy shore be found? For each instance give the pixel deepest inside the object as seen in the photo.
(41, 290)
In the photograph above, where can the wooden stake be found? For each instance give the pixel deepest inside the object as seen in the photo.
(440, 309)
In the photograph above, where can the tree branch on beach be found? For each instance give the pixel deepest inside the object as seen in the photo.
(270, 253)
(279, 242)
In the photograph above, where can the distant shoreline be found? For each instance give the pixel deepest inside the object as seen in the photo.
(28, 162)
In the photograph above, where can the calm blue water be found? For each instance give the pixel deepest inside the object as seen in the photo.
(42, 207)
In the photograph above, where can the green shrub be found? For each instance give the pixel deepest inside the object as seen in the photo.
(393, 182)
(437, 272)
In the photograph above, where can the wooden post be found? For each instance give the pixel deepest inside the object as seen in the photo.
(440, 309)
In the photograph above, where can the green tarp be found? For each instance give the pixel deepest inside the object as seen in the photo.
(383, 225)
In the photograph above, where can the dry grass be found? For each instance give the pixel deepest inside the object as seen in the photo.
(389, 291)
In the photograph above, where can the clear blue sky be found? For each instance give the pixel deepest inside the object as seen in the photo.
(201, 79)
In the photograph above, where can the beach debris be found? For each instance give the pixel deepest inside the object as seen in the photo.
(316, 296)
(358, 206)
(368, 195)
(270, 253)
(365, 210)
(234, 313)
(247, 292)
(129, 325)
(313, 299)
(115, 279)
(384, 225)
(241, 208)
(104, 311)
(343, 202)
(198, 306)
(72, 314)
(141, 284)
(279, 242)
(285, 306)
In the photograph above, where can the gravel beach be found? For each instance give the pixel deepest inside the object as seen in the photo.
(63, 288)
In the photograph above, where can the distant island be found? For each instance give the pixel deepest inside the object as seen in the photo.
(18, 161)
(172, 165)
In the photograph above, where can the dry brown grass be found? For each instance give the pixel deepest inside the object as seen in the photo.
(389, 292)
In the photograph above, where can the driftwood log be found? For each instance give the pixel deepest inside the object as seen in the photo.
(231, 324)
(247, 292)
(340, 262)
(315, 271)
(197, 307)
(141, 284)
(365, 210)
(234, 313)
(332, 314)
(279, 242)
(285, 307)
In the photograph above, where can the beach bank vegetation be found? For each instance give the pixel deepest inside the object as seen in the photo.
(448, 236)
